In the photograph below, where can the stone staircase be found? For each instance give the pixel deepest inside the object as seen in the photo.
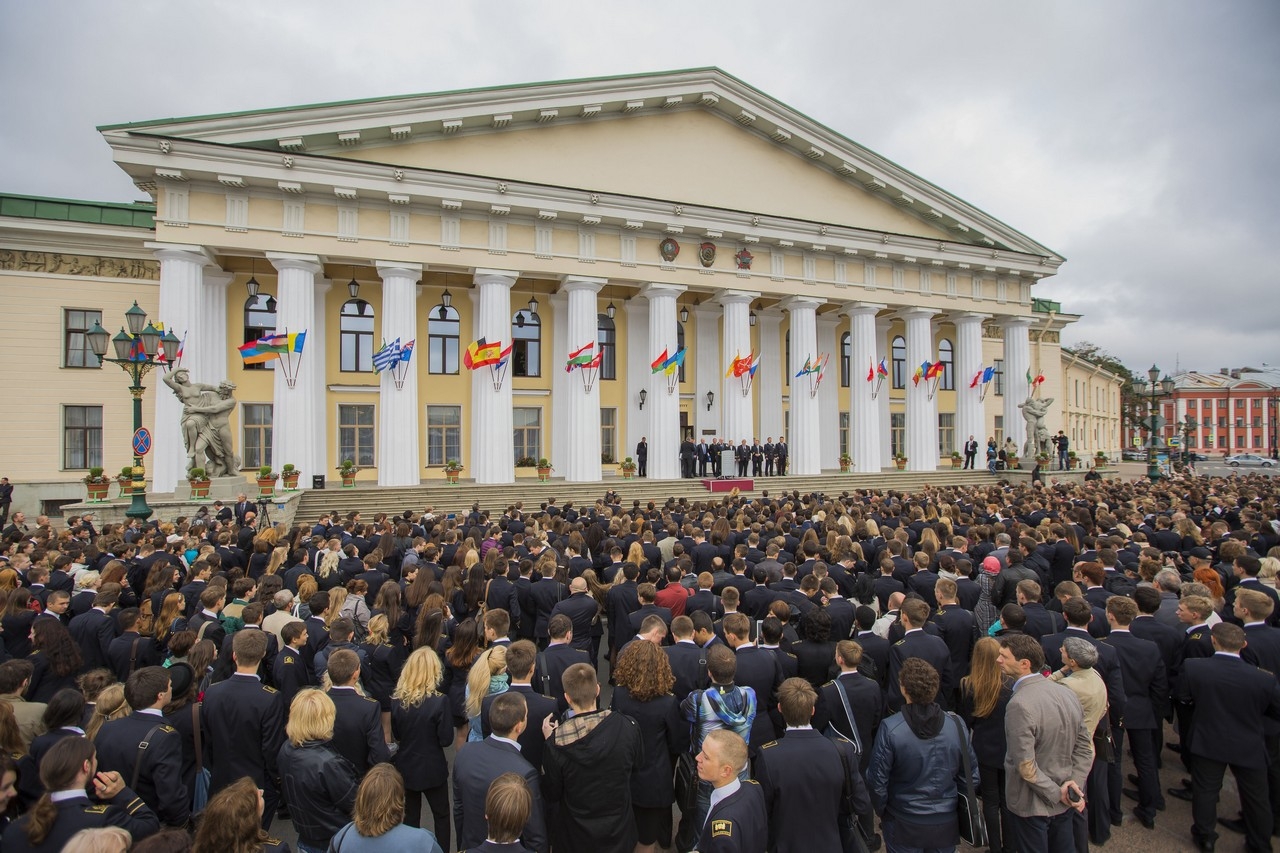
(445, 498)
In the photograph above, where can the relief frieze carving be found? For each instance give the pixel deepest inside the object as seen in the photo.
(57, 263)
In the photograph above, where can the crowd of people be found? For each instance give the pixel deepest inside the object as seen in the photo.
(790, 672)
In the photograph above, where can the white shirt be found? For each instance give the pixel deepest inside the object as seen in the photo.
(718, 794)
(507, 741)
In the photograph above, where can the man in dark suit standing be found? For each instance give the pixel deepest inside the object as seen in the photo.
(757, 458)
(479, 763)
(642, 457)
(970, 453)
(1263, 651)
(742, 456)
(769, 451)
(737, 821)
(357, 730)
(620, 602)
(1230, 702)
(704, 456)
(521, 658)
(865, 700)
(915, 643)
(780, 458)
(558, 656)
(1146, 702)
(688, 659)
(242, 506)
(582, 610)
(94, 630)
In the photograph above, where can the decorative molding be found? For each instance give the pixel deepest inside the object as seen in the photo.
(590, 220)
(57, 263)
(401, 132)
(590, 111)
(545, 116)
(745, 118)
(847, 169)
(542, 241)
(450, 204)
(499, 210)
(497, 237)
(632, 106)
(450, 233)
(171, 175)
(708, 99)
(348, 223)
(399, 235)
(294, 223)
(452, 125)
(547, 215)
(815, 153)
(780, 135)
(348, 138)
(290, 187)
(346, 193)
(237, 212)
(293, 143)
(231, 181)
(397, 198)
(502, 120)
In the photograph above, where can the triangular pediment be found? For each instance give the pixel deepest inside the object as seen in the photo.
(698, 137)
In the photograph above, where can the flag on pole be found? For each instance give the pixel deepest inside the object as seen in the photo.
(505, 355)
(387, 357)
(977, 377)
(481, 353)
(883, 369)
(935, 369)
(581, 357)
(258, 352)
(659, 363)
(920, 372)
(988, 374)
(406, 352)
(1039, 380)
(871, 370)
(297, 340)
(674, 362)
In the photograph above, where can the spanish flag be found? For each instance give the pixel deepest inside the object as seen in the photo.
(482, 353)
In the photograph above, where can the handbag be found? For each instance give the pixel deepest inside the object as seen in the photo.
(686, 778)
(973, 829)
(1104, 746)
(200, 790)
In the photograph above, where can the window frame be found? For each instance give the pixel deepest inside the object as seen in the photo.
(526, 351)
(357, 454)
(258, 332)
(265, 431)
(361, 359)
(607, 343)
(899, 372)
(83, 350)
(443, 430)
(448, 362)
(846, 359)
(521, 449)
(86, 430)
(947, 355)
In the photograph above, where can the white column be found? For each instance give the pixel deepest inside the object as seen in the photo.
(707, 370)
(922, 412)
(737, 420)
(968, 355)
(325, 457)
(882, 400)
(182, 306)
(768, 381)
(492, 453)
(804, 448)
(297, 434)
(398, 436)
(828, 393)
(214, 325)
(560, 349)
(663, 408)
(1017, 360)
(865, 420)
(636, 419)
(581, 463)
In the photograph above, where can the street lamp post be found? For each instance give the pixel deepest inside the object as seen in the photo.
(136, 351)
(1159, 388)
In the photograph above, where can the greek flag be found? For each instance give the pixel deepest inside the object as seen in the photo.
(387, 357)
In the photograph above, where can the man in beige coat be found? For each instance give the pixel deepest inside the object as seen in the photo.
(15, 675)
(1049, 751)
(1078, 660)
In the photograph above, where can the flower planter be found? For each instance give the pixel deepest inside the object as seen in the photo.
(291, 481)
(544, 474)
(452, 477)
(956, 461)
(126, 487)
(266, 487)
(349, 481)
(901, 463)
(628, 473)
(844, 467)
(98, 491)
(200, 488)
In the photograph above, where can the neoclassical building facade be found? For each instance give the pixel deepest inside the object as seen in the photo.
(650, 214)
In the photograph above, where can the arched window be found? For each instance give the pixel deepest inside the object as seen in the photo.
(899, 362)
(356, 328)
(846, 357)
(607, 341)
(442, 339)
(786, 359)
(680, 346)
(526, 344)
(948, 380)
(259, 322)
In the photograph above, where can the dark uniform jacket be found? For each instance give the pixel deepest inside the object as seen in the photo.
(357, 731)
(761, 670)
(557, 658)
(875, 649)
(423, 731)
(474, 769)
(1146, 685)
(289, 675)
(738, 823)
(582, 609)
(866, 701)
(130, 652)
(243, 725)
(689, 666)
(918, 644)
(803, 777)
(159, 782)
(93, 633)
(532, 743)
(1230, 701)
(126, 810)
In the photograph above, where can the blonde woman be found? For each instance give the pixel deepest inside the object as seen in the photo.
(382, 668)
(110, 705)
(319, 785)
(278, 557)
(327, 575)
(488, 677)
(422, 723)
(337, 599)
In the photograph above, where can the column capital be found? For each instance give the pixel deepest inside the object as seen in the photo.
(288, 261)
(1013, 321)
(491, 276)
(916, 312)
(793, 302)
(660, 288)
(959, 317)
(217, 277)
(857, 309)
(735, 297)
(581, 282)
(406, 270)
(182, 252)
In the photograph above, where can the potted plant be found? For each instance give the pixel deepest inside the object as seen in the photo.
(628, 468)
(267, 481)
(199, 481)
(1099, 459)
(1042, 459)
(126, 481)
(606, 458)
(526, 462)
(348, 470)
(451, 470)
(544, 469)
(900, 460)
(97, 484)
(846, 461)
(290, 475)
(956, 459)
(1073, 461)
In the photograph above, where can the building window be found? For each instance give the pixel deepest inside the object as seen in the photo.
(846, 357)
(1222, 442)
(444, 434)
(442, 341)
(81, 437)
(1222, 422)
(526, 341)
(898, 433)
(356, 329)
(680, 346)
(844, 432)
(1191, 442)
(899, 362)
(1257, 441)
(355, 435)
(527, 424)
(998, 376)
(607, 341)
(1239, 403)
(608, 436)
(998, 432)
(1240, 442)
(259, 322)
(1257, 423)
(946, 433)
(948, 380)
(76, 352)
(256, 434)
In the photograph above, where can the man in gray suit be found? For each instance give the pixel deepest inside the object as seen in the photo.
(1049, 751)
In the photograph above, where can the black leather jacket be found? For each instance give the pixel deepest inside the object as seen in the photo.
(320, 788)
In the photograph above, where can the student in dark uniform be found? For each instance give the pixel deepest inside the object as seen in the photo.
(243, 724)
(158, 774)
(1230, 701)
(915, 643)
(736, 821)
(357, 732)
(66, 770)
(804, 778)
(506, 810)
(555, 659)
(290, 673)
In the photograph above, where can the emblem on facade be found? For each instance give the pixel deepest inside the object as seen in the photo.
(669, 248)
(743, 259)
(707, 253)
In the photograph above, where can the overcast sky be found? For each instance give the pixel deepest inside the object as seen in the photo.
(1138, 139)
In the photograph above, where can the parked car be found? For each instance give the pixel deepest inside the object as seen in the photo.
(1133, 455)
(1248, 459)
